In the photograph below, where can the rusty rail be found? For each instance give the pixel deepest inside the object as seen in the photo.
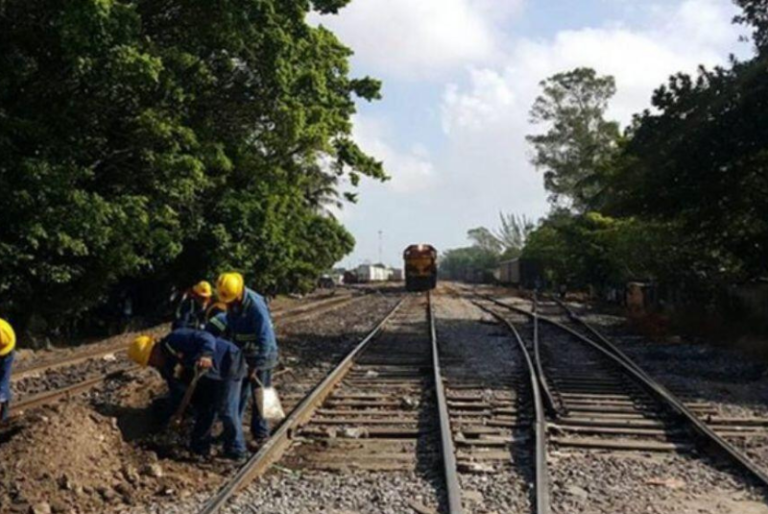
(541, 492)
(609, 350)
(279, 442)
(18, 408)
(38, 400)
(446, 437)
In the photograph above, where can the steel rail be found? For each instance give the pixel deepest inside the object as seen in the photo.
(281, 439)
(542, 377)
(86, 354)
(601, 338)
(38, 400)
(542, 497)
(446, 436)
(609, 350)
(19, 408)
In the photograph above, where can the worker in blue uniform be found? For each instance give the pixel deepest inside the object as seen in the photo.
(249, 326)
(219, 387)
(197, 307)
(7, 344)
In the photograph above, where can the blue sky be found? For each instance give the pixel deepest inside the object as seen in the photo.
(459, 77)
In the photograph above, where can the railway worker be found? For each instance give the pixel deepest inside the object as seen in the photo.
(218, 389)
(196, 307)
(249, 326)
(7, 344)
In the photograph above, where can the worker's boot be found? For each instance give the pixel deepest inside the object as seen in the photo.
(255, 444)
(235, 457)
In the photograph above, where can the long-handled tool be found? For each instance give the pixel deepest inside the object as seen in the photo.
(178, 416)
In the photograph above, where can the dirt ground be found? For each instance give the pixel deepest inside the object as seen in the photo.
(105, 451)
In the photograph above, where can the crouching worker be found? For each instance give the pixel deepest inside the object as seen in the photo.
(218, 389)
(7, 344)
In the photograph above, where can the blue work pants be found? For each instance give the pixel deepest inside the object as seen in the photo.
(6, 363)
(218, 398)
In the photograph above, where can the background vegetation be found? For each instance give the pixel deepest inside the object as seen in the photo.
(149, 143)
(677, 198)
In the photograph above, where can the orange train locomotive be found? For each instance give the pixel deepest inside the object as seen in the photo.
(420, 267)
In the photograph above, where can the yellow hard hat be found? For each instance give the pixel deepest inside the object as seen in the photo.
(7, 338)
(203, 289)
(140, 349)
(230, 287)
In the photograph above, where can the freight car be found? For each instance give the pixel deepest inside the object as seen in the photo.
(367, 273)
(519, 272)
(420, 267)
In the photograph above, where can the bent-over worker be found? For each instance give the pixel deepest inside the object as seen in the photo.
(249, 326)
(219, 388)
(7, 344)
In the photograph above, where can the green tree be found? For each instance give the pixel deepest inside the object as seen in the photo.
(166, 140)
(700, 162)
(483, 238)
(507, 240)
(513, 232)
(596, 250)
(468, 263)
(579, 143)
(755, 13)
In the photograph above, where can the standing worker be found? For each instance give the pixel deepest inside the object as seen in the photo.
(249, 326)
(196, 307)
(223, 369)
(7, 344)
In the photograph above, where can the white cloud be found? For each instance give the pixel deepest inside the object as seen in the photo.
(696, 32)
(411, 171)
(481, 165)
(487, 167)
(414, 39)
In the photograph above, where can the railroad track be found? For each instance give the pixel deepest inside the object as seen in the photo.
(106, 362)
(737, 430)
(102, 351)
(602, 404)
(383, 409)
(498, 420)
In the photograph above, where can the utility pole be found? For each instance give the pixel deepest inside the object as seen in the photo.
(380, 246)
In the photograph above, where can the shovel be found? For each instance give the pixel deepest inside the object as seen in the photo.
(178, 416)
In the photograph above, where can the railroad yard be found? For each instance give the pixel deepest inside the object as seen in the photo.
(449, 401)
(375, 256)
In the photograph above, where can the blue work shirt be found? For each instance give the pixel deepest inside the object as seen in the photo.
(249, 326)
(217, 325)
(6, 362)
(189, 314)
(186, 346)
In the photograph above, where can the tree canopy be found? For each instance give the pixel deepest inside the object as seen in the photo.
(169, 139)
(579, 142)
(681, 194)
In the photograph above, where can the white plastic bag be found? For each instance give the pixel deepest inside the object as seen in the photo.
(268, 404)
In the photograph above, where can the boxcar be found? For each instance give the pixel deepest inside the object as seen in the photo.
(519, 272)
(420, 267)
